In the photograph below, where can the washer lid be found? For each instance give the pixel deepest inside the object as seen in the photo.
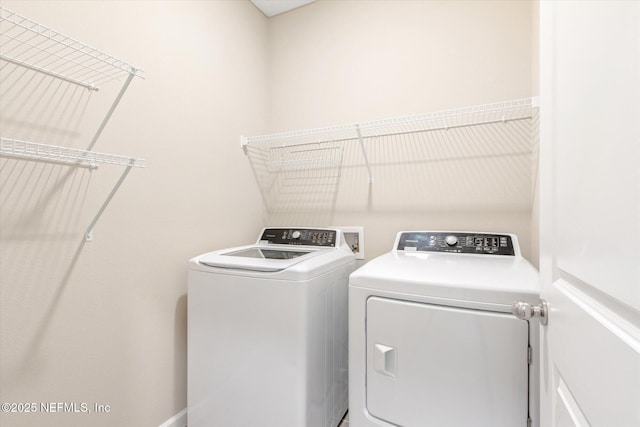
(258, 258)
(267, 253)
(281, 253)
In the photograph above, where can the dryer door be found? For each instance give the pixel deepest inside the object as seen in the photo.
(430, 365)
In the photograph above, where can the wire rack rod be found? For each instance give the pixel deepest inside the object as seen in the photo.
(55, 154)
(27, 43)
(86, 85)
(468, 116)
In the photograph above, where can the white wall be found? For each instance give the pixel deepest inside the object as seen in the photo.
(337, 62)
(105, 321)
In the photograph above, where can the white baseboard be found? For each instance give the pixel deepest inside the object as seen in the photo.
(178, 420)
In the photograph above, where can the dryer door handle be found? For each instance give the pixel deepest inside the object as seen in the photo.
(385, 360)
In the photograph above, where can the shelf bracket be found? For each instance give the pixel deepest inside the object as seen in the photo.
(89, 233)
(364, 153)
(116, 101)
(244, 141)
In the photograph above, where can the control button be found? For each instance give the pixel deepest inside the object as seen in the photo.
(295, 235)
(451, 240)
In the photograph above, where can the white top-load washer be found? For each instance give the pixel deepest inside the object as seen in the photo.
(432, 340)
(267, 331)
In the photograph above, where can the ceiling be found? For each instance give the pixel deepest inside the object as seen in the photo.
(274, 7)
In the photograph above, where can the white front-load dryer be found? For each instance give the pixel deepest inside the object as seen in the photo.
(432, 340)
(267, 331)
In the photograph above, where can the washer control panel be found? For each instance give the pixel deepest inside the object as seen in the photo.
(456, 242)
(299, 236)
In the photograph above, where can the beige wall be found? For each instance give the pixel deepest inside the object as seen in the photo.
(334, 62)
(105, 322)
(337, 62)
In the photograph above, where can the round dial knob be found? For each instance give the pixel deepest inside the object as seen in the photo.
(451, 240)
(295, 234)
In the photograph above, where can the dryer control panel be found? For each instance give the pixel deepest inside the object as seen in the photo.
(299, 236)
(456, 242)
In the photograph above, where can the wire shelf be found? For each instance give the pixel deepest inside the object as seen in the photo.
(55, 154)
(317, 170)
(28, 44)
(468, 116)
(277, 150)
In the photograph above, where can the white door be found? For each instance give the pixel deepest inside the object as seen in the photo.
(590, 212)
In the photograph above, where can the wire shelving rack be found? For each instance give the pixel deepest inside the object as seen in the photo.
(312, 151)
(27, 44)
(319, 147)
(32, 45)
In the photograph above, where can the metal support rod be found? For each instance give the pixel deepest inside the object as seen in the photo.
(132, 74)
(88, 235)
(48, 73)
(364, 153)
(409, 132)
(468, 113)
